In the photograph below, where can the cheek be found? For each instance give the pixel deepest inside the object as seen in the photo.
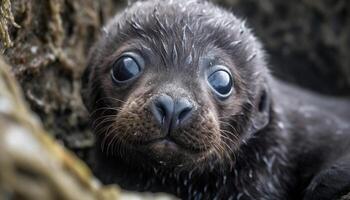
(218, 118)
(135, 120)
(230, 107)
(203, 132)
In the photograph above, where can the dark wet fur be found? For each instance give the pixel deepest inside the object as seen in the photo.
(284, 143)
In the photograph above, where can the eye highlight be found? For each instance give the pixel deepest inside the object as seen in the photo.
(126, 68)
(221, 82)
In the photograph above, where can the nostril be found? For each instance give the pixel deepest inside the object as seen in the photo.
(183, 110)
(183, 114)
(162, 109)
(161, 112)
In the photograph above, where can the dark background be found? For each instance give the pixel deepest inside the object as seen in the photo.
(308, 43)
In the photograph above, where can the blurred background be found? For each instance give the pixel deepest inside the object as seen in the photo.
(308, 43)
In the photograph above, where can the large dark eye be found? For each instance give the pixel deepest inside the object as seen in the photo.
(221, 82)
(125, 69)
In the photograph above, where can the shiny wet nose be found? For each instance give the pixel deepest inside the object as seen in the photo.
(170, 113)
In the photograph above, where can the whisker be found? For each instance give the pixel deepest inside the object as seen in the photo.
(112, 98)
(103, 108)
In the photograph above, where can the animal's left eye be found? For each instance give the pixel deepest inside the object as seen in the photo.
(221, 82)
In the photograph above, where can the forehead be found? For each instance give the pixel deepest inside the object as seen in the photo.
(179, 31)
(176, 29)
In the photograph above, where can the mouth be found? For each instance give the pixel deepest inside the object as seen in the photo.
(164, 144)
(168, 144)
(167, 150)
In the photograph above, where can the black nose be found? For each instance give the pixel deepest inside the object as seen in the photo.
(170, 113)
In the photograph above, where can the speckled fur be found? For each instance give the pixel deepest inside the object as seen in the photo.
(234, 149)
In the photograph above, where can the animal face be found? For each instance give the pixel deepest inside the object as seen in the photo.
(175, 86)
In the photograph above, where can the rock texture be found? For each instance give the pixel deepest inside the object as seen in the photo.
(47, 54)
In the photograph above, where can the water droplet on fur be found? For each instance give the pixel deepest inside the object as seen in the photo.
(217, 184)
(185, 182)
(250, 174)
(190, 175)
(155, 170)
(211, 167)
(280, 125)
(239, 196)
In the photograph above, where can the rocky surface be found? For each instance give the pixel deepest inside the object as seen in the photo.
(48, 55)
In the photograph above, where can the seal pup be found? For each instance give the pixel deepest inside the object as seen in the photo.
(182, 101)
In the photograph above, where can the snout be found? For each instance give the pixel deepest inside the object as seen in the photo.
(171, 113)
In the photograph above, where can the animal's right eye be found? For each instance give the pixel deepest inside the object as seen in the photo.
(125, 69)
